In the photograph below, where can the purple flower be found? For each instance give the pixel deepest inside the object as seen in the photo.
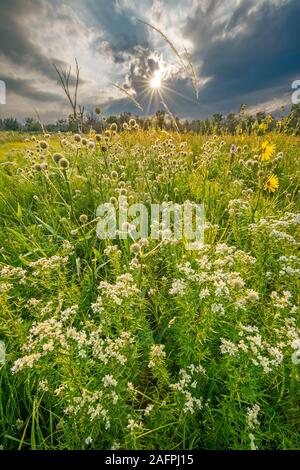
(233, 149)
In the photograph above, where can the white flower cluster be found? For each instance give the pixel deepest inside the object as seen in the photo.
(277, 228)
(252, 423)
(187, 387)
(259, 351)
(43, 265)
(10, 273)
(53, 335)
(178, 287)
(89, 404)
(236, 207)
(218, 279)
(283, 301)
(123, 289)
(289, 266)
(251, 419)
(157, 355)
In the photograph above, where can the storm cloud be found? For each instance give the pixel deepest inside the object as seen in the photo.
(244, 51)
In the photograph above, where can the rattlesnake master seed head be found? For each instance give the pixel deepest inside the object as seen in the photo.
(83, 218)
(135, 248)
(43, 144)
(57, 157)
(64, 163)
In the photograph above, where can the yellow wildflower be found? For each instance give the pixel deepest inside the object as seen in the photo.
(271, 184)
(267, 150)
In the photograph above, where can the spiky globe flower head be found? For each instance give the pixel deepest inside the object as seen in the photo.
(134, 263)
(43, 145)
(98, 110)
(57, 157)
(84, 141)
(114, 174)
(121, 184)
(123, 191)
(104, 148)
(132, 122)
(77, 138)
(113, 200)
(144, 242)
(44, 166)
(107, 133)
(83, 219)
(37, 167)
(125, 126)
(113, 127)
(64, 163)
(91, 144)
(135, 248)
(98, 137)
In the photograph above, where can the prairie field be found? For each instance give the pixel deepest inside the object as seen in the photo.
(147, 344)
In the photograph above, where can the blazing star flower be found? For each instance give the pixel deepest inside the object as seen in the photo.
(233, 149)
(267, 150)
(271, 184)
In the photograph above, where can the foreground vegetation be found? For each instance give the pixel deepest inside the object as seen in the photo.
(118, 344)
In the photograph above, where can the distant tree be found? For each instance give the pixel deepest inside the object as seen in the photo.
(160, 118)
(11, 124)
(31, 125)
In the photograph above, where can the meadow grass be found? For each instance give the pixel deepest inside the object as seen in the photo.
(157, 347)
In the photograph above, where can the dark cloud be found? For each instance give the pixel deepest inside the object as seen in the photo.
(249, 53)
(25, 88)
(264, 54)
(15, 44)
(122, 30)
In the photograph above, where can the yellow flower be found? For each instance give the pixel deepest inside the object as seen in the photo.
(271, 184)
(263, 126)
(267, 150)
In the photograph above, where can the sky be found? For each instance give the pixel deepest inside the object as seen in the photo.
(243, 51)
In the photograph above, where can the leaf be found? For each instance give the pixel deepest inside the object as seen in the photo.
(19, 212)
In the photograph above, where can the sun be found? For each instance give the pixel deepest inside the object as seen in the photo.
(155, 81)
